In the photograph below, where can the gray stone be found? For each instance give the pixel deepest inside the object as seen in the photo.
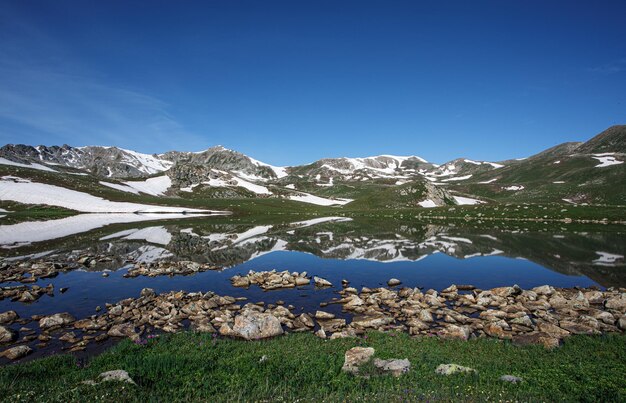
(394, 366)
(321, 282)
(450, 369)
(18, 352)
(511, 379)
(356, 357)
(252, 325)
(8, 317)
(118, 375)
(123, 330)
(58, 319)
(7, 335)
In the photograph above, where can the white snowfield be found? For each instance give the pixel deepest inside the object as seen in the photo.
(606, 160)
(427, 203)
(152, 186)
(37, 231)
(280, 172)
(466, 200)
(27, 192)
(489, 181)
(458, 178)
(34, 165)
(320, 201)
(493, 164)
(514, 187)
(145, 162)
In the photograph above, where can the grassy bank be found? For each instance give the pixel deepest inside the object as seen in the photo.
(300, 366)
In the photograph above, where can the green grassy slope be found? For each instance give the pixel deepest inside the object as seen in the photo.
(188, 366)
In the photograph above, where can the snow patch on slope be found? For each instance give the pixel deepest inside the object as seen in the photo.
(27, 192)
(466, 200)
(320, 201)
(606, 160)
(39, 167)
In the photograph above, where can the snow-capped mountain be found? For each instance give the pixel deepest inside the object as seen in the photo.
(570, 172)
(109, 162)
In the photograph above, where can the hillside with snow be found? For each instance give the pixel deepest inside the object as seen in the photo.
(569, 173)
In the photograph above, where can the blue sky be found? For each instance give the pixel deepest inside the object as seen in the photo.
(291, 82)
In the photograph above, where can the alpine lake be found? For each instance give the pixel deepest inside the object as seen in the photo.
(78, 266)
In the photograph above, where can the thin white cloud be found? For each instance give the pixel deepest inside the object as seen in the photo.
(610, 68)
(46, 90)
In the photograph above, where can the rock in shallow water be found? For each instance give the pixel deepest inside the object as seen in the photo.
(8, 317)
(7, 335)
(18, 352)
(321, 282)
(58, 319)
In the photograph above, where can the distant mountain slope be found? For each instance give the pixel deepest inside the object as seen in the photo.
(110, 162)
(612, 140)
(574, 172)
(589, 172)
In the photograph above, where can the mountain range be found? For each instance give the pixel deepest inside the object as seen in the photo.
(589, 172)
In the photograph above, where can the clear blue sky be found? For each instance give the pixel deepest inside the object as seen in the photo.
(291, 82)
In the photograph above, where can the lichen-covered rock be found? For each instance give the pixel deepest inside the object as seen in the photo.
(8, 317)
(252, 325)
(17, 352)
(58, 319)
(394, 366)
(7, 335)
(355, 357)
(451, 369)
(321, 282)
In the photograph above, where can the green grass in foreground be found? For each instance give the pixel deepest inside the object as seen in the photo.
(188, 366)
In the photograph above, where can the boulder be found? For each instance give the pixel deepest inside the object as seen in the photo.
(617, 303)
(147, 292)
(621, 323)
(536, 338)
(455, 332)
(493, 329)
(371, 321)
(544, 290)
(306, 320)
(451, 369)
(394, 366)
(393, 282)
(321, 282)
(124, 330)
(8, 317)
(552, 330)
(118, 375)
(510, 379)
(7, 335)
(252, 325)
(17, 352)
(356, 357)
(332, 325)
(58, 319)
(324, 315)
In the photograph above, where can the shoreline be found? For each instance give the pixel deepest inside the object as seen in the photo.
(543, 315)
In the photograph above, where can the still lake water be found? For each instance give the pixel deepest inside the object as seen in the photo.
(365, 252)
